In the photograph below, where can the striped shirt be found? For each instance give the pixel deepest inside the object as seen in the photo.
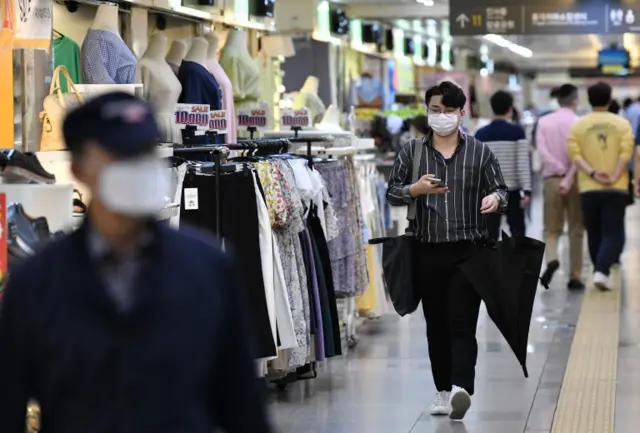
(471, 174)
(508, 143)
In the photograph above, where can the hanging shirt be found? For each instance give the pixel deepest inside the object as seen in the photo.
(199, 87)
(243, 72)
(67, 53)
(106, 59)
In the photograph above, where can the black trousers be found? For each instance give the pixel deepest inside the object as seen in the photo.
(515, 218)
(239, 226)
(451, 306)
(603, 217)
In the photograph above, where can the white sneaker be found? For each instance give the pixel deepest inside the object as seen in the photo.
(440, 405)
(601, 281)
(460, 403)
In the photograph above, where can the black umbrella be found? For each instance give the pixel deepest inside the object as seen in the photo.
(506, 278)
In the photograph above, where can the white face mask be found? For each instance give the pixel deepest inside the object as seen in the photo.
(135, 187)
(443, 124)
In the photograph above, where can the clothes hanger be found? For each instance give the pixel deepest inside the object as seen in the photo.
(57, 34)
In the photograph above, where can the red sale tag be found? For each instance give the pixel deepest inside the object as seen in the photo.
(192, 115)
(218, 121)
(300, 118)
(256, 118)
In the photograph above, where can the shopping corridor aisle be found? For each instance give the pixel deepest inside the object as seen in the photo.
(384, 385)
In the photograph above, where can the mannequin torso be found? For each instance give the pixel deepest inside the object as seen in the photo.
(161, 86)
(225, 85)
(242, 70)
(106, 59)
(176, 54)
(198, 84)
(308, 97)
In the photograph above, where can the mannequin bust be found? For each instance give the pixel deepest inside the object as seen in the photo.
(161, 87)
(103, 42)
(308, 98)
(225, 85)
(241, 68)
(198, 51)
(106, 19)
(176, 54)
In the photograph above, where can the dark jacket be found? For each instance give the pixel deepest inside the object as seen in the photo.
(178, 362)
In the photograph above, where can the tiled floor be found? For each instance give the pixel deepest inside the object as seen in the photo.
(384, 385)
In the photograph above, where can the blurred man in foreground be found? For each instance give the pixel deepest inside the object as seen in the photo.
(601, 144)
(125, 325)
(560, 192)
(508, 143)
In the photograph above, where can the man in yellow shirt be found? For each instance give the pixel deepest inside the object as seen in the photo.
(601, 144)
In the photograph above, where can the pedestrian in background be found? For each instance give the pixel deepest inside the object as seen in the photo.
(507, 141)
(459, 182)
(601, 144)
(126, 325)
(560, 191)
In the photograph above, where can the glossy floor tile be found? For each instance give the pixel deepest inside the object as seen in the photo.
(384, 384)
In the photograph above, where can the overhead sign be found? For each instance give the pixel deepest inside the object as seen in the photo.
(300, 118)
(541, 18)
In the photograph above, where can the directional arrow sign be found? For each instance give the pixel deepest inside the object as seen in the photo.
(462, 19)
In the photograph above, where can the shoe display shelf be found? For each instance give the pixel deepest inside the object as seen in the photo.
(49, 201)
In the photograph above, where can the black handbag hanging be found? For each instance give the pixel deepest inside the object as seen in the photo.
(397, 255)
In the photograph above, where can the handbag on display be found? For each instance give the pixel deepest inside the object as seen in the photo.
(397, 255)
(56, 105)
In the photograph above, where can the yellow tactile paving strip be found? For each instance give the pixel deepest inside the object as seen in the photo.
(588, 396)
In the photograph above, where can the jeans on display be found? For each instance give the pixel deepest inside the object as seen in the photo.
(451, 306)
(603, 216)
(515, 218)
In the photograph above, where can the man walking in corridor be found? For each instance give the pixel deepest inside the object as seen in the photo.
(601, 144)
(459, 182)
(560, 191)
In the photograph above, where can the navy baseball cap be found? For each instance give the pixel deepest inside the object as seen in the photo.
(122, 124)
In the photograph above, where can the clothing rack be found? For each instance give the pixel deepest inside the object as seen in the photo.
(268, 146)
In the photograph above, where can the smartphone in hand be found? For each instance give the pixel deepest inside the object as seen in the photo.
(437, 181)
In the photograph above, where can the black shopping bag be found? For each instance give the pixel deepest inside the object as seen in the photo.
(397, 253)
(397, 266)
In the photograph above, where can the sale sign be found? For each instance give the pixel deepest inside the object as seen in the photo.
(300, 118)
(218, 121)
(256, 118)
(192, 115)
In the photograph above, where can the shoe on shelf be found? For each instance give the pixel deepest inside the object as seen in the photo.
(601, 281)
(574, 284)
(26, 235)
(25, 168)
(460, 403)
(440, 405)
(547, 276)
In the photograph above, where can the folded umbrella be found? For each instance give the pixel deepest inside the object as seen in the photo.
(506, 278)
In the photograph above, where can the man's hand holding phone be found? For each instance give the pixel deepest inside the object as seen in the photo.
(428, 184)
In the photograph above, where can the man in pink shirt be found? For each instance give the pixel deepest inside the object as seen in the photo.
(561, 195)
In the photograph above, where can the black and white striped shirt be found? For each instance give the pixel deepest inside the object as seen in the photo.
(471, 174)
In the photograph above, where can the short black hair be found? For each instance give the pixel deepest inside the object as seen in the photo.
(627, 102)
(614, 107)
(553, 94)
(501, 102)
(452, 95)
(599, 94)
(567, 94)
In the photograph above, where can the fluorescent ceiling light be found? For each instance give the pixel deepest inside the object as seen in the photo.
(505, 43)
(425, 2)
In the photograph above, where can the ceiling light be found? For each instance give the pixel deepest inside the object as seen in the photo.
(505, 43)
(425, 2)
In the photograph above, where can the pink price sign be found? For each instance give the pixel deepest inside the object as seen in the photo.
(192, 115)
(300, 118)
(256, 118)
(218, 121)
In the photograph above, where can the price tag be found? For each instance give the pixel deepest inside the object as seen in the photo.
(254, 118)
(300, 118)
(191, 199)
(192, 115)
(218, 121)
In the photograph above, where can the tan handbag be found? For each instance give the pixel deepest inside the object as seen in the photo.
(56, 105)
